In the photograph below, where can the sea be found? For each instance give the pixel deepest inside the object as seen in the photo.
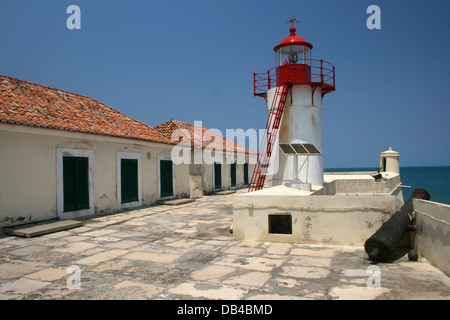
(436, 180)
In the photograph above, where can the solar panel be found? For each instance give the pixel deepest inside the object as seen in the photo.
(311, 148)
(287, 149)
(299, 149)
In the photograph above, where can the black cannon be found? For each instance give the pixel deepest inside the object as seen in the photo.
(382, 245)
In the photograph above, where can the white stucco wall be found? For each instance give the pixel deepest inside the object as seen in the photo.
(432, 239)
(343, 220)
(31, 169)
(346, 211)
(28, 171)
(208, 175)
(301, 123)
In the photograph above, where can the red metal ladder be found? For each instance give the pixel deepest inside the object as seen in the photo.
(272, 126)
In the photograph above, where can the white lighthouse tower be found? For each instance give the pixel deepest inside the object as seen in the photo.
(291, 150)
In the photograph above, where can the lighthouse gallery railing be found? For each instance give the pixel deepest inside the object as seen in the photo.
(315, 72)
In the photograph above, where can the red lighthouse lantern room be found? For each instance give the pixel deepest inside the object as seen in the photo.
(293, 59)
(294, 64)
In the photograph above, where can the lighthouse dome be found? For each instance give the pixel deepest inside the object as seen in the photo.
(293, 50)
(293, 39)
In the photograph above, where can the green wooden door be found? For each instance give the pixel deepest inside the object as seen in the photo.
(129, 180)
(217, 176)
(166, 177)
(245, 173)
(75, 183)
(233, 174)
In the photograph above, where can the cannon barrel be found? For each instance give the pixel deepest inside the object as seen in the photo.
(381, 245)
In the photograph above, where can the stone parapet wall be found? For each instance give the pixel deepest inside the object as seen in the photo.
(432, 238)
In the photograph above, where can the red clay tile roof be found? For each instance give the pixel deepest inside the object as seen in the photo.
(30, 104)
(209, 138)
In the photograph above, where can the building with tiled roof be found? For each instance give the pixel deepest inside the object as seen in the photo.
(65, 155)
(216, 163)
(208, 139)
(29, 104)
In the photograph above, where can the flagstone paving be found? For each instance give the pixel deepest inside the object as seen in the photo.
(187, 252)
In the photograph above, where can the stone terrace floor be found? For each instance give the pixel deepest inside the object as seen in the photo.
(187, 252)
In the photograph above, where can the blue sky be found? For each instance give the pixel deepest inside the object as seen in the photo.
(194, 61)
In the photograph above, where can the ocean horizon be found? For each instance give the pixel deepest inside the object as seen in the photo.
(434, 179)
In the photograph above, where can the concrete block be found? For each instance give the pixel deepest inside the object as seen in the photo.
(223, 192)
(41, 228)
(175, 202)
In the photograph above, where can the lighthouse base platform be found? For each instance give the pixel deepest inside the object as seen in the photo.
(300, 186)
(347, 210)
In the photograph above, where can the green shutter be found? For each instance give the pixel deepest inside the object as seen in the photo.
(245, 173)
(133, 179)
(166, 178)
(82, 183)
(217, 176)
(233, 174)
(75, 183)
(129, 180)
(124, 188)
(69, 183)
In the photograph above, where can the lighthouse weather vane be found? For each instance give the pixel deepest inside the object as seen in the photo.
(291, 21)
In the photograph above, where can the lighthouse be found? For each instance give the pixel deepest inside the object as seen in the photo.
(300, 203)
(291, 150)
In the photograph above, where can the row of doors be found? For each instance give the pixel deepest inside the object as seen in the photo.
(218, 175)
(129, 179)
(76, 181)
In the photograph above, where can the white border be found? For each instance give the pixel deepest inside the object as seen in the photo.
(69, 152)
(166, 157)
(128, 155)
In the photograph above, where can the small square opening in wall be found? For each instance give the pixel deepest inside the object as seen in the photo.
(280, 223)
